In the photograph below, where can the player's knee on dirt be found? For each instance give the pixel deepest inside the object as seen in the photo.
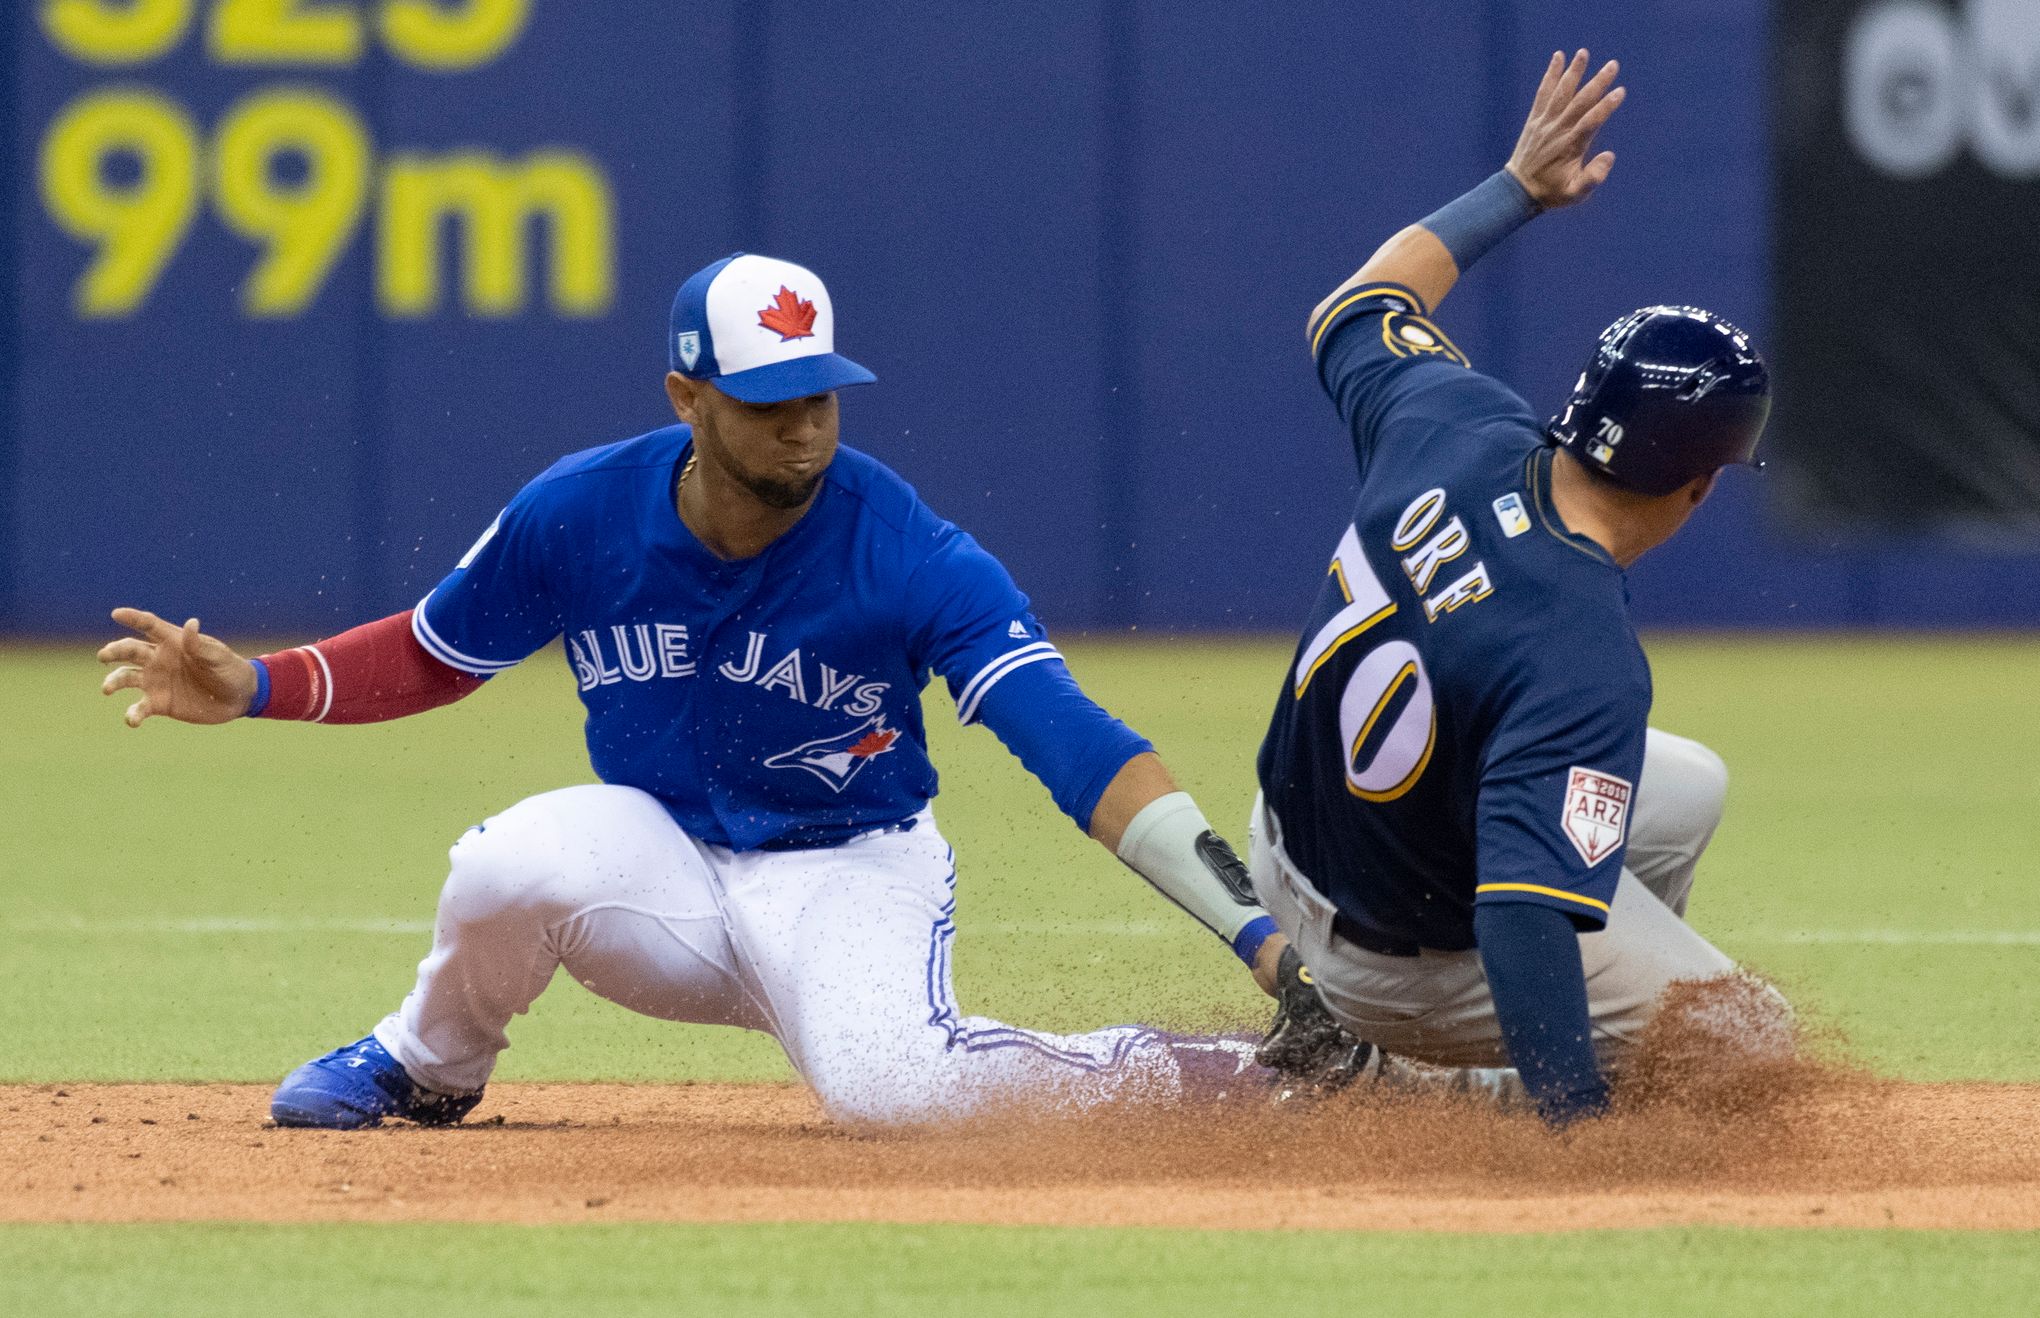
(889, 1086)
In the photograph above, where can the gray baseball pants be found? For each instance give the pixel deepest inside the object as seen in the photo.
(1434, 1007)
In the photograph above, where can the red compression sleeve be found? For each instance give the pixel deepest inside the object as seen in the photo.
(376, 672)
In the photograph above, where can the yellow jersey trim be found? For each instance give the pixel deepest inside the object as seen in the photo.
(1542, 892)
(1423, 763)
(1540, 498)
(1344, 637)
(1317, 337)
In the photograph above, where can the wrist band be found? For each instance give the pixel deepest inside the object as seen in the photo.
(1471, 224)
(1246, 944)
(261, 700)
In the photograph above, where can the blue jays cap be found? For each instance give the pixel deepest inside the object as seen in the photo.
(763, 330)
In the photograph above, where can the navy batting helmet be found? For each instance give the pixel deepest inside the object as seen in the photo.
(1670, 393)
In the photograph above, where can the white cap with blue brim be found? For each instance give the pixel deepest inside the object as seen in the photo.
(763, 330)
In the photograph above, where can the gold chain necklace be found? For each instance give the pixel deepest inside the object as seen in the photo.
(686, 471)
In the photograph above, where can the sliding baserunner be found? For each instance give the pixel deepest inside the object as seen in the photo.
(1465, 825)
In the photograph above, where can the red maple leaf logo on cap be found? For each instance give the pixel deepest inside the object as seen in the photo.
(875, 742)
(789, 315)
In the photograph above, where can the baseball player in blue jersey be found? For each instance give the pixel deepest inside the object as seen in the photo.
(750, 613)
(1465, 826)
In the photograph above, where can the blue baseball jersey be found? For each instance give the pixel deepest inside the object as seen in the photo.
(1464, 721)
(773, 701)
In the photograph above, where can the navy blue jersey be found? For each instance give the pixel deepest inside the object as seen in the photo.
(1464, 720)
(772, 701)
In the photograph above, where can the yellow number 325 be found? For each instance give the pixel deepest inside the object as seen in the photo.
(429, 35)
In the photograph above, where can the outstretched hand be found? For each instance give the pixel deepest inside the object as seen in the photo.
(181, 672)
(1551, 160)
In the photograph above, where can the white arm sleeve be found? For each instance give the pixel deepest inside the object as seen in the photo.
(1172, 846)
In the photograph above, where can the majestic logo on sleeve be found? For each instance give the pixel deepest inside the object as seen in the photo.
(836, 760)
(1596, 813)
(789, 315)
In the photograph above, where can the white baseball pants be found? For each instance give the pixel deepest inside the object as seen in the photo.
(841, 954)
(1435, 1007)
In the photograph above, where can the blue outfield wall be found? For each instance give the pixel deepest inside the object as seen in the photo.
(1076, 241)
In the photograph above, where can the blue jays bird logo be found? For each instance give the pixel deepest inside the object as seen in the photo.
(836, 760)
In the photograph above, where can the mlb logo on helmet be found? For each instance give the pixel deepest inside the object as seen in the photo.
(764, 330)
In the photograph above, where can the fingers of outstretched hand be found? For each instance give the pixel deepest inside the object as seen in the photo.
(126, 650)
(206, 649)
(138, 711)
(1547, 87)
(1590, 123)
(148, 624)
(1569, 78)
(127, 677)
(1596, 172)
(1589, 96)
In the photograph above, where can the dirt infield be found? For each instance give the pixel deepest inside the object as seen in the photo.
(1848, 1152)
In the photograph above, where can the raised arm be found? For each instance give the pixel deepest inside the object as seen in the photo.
(1549, 168)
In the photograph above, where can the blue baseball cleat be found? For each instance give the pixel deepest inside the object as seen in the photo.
(355, 1087)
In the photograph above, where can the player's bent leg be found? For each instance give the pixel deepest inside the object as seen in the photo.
(598, 878)
(1643, 952)
(1630, 967)
(1679, 804)
(1435, 1008)
(850, 946)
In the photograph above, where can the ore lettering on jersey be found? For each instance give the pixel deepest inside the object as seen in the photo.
(1421, 567)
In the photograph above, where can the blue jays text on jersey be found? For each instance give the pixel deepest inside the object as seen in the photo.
(1465, 718)
(773, 701)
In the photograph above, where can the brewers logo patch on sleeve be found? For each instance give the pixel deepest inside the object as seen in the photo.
(1596, 813)
(1408, 334)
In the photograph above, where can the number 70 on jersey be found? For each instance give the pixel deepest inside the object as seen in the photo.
(1388, 719)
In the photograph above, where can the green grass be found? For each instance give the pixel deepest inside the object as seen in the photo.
(202, 903)
(842, 1270)
(1888, 789)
